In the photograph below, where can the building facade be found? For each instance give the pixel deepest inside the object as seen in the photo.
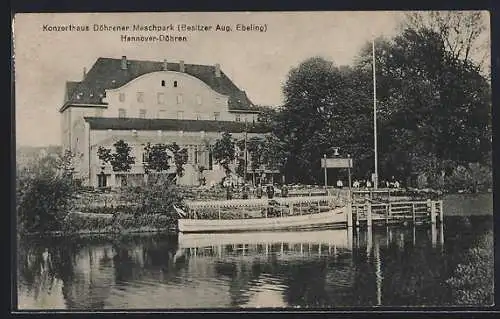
(143, 102)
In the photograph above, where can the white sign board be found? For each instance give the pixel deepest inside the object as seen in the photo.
(336, 163)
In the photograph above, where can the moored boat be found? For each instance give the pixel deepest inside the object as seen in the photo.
(313, 212)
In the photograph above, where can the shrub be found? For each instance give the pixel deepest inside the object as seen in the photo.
(77, 222)
(472, 282)
(154, 198)
(44, 193)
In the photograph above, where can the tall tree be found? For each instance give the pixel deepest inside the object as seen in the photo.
(180, 158)
(224, 151)
(156, 158)
(120, 159)
(325, 107)
(433, 109)
(464, 33)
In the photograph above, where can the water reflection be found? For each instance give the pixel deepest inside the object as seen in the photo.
(330, 268)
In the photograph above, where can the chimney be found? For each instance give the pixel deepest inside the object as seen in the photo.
(84, 73)
(165, 67)
(217, 70)
(181, 66)
(124, 63)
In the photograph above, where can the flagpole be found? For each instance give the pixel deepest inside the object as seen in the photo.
(375, 179)
(246, 156)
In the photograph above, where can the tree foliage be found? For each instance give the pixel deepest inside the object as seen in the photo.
(325, 106)
(44, 193)
(180, 158)
(158, 197)
(224, 151)
(156, 158)
(433, 111)
(120, 159)
(472, 282)
(463, 33)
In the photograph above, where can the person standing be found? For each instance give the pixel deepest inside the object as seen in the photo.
(258, 191)
(284, 191)
(245, 191)
(270, 191)
(340, 184)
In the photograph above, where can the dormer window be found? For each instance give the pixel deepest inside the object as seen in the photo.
(179, 98)
(198, 99)
(175, 84)
(121, 97)
(162, 82)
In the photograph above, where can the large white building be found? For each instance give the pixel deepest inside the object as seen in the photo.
(155, 102)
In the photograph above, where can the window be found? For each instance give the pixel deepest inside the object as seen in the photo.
(179, 98)
(161, 98)
(142, 113)
(180, 115)
(198, 99)
(162, 82)
(175, 84)
(140, 97)
(121, 97)
(216, 116)
(102, 180)
(162, 113)
(238, 117)
(122, 113)
(145, 157)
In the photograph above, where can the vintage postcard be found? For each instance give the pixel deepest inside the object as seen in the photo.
(243, 160)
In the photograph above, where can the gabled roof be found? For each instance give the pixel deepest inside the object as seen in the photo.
(106, 73)
(104, 123)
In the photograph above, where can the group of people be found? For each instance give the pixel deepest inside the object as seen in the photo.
(259, 191)
(369, 184)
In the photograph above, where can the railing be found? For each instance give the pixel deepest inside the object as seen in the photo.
(257, 208)
(400, 210)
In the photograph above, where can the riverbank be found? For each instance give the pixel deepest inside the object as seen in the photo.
(81, 224)
(123, 219)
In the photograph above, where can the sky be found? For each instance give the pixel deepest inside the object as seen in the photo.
(257, 62)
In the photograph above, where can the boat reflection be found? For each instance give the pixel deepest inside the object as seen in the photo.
(280, 244)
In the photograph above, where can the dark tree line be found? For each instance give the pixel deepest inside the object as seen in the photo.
(433, 109)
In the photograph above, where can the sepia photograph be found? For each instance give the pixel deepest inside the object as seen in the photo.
(322, 160)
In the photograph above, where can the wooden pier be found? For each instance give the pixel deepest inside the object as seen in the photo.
(370, 212)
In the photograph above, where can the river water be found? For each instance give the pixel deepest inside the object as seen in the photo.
(403, 266)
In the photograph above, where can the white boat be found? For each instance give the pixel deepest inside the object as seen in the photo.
(293, 213)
